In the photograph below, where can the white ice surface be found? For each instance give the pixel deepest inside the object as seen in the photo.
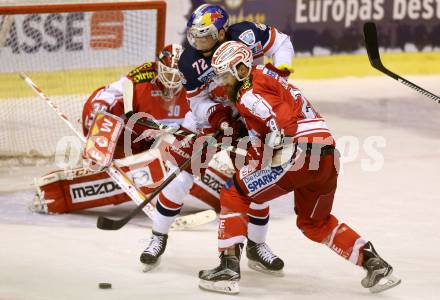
(397, 208)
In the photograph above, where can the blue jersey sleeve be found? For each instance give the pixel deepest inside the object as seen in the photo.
(255, 35)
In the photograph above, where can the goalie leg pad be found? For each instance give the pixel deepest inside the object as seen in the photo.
(67, 191)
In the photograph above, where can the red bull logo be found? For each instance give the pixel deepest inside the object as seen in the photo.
(211, 18)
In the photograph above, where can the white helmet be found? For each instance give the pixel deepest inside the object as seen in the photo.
(229, 55)
(168, 72)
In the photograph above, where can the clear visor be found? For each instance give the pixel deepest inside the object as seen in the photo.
(202, 41)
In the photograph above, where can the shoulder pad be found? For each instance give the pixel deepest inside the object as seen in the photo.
(252, 34)
(143, 73)
(247, 37)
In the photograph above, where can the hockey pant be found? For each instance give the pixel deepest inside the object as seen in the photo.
(313, 179)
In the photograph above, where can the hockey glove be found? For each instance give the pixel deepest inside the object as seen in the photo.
(283, 70)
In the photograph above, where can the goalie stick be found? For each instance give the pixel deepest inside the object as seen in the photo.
(162, 127)
(119, 176)
(171, 130)
(127, 95)
(370, 35)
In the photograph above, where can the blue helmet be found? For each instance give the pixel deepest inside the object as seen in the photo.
(206, 21)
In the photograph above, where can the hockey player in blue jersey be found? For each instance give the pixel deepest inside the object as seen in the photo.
(207, 28)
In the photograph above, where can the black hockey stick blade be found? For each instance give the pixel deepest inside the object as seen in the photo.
(370, 34)
(105, 223)
(109, 224)
(372, 45)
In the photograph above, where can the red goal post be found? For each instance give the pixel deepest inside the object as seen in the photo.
(69, 50)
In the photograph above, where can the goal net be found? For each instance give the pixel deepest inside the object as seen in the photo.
(68, 50)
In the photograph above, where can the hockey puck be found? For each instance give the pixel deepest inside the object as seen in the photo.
(105, 285)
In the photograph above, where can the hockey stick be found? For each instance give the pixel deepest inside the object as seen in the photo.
(370, 34)
(109, 224)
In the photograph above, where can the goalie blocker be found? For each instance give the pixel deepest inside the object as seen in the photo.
(102, 139)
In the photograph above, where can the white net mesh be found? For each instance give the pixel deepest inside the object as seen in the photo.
(68, 55)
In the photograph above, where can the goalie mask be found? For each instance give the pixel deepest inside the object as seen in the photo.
(203, 26)
(167, 71)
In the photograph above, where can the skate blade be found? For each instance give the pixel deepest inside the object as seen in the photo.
(255, 265)
(385, 284)
(224, 286)
(148, 268)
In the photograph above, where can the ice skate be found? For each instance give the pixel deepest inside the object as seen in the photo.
(151, 255)
(262, 259)
(38, 203)
(224, 278)
(379, 276)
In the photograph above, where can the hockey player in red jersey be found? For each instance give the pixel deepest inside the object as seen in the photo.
(297, 153)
